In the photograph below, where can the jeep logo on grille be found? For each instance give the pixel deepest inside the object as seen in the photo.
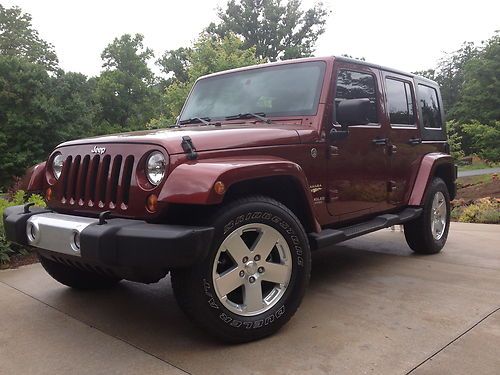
(98, 150)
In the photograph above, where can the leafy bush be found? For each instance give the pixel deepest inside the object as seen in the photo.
(484, 210)
(6, 248)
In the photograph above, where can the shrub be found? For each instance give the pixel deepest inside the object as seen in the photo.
(484, 210)
(6, 248)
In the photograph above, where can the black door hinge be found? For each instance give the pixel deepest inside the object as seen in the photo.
(188, 147)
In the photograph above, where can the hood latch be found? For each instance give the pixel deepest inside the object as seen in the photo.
(188, 147)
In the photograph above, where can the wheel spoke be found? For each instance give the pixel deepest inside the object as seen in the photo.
(439, 227)
(265, 243)
(237, 247)
(275, 273)
(228, 281)
(252, 296)
(442, 209)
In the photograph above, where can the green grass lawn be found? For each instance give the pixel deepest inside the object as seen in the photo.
(478, 165)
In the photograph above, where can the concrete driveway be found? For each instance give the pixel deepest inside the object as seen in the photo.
(372, 308)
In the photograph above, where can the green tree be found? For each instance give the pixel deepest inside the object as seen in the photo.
(74, 109)
(27, 111)
(277, 30)
(479, 95)
(126, 91)
(485, 140)
(18, 38)
(209, 54)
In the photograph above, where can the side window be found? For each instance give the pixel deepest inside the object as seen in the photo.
(356, 85)
(429, 104)
(400, 102)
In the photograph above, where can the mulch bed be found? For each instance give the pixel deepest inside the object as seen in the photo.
(487, 189)
(19, 260)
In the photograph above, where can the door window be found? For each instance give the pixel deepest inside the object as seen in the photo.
(357, 85)
(400, 102)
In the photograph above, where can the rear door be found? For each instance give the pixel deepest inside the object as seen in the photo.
(406, 149)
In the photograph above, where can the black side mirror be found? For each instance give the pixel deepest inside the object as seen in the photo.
(353, 112)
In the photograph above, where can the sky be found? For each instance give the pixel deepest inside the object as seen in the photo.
(405, 35)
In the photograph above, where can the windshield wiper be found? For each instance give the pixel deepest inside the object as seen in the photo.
(260, 115)
(192, 120)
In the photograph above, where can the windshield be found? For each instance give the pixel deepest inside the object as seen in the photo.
(281, 90)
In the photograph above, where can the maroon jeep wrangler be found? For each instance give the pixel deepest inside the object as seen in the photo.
(265, 164)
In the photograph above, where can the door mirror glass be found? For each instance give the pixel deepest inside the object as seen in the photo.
(353, 112)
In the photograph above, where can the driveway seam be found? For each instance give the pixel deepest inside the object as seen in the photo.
(97, 329)
(454, 340)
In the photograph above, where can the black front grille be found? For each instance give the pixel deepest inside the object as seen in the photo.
(94, 180)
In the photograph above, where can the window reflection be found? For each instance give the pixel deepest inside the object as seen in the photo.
(400, 102)
(356, 85)
(431, 115)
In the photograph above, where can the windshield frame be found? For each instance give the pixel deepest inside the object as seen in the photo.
(319, 89)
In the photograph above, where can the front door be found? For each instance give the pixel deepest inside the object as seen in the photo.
(358, 165)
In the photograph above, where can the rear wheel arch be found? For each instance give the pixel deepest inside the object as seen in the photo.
(446, 172)
(433, 165)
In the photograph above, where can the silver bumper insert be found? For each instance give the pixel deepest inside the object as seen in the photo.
(57, 232)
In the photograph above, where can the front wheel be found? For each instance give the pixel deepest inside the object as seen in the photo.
(428, 233)
(255, 275)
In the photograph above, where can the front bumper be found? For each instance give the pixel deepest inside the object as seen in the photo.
(115, 243)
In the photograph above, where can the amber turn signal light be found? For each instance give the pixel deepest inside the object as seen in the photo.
(219, 187)
(48, 194)
(152, 203)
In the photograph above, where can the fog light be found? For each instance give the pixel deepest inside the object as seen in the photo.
(151, 203)
(76, 240)
(48, 194)
(219, 187)
(32, 232)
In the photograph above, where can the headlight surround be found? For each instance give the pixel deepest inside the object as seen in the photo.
(57, 165)
(156, 167)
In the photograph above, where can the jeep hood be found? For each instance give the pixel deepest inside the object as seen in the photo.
(204, 138)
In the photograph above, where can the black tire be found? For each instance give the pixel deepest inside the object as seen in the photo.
(195, 291)
(75, 277)
(418, 232)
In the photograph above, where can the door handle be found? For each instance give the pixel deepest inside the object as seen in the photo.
(414, 141)
(380, 141)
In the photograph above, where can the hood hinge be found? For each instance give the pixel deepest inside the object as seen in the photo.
(188, 147)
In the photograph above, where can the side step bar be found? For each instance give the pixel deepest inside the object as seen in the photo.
(328, 237)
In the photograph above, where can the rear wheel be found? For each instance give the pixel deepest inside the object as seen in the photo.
(255, 275)
(75, 277)
(428, 233)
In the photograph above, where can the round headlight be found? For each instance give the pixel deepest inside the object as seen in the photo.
(156, 167)
(57, 165)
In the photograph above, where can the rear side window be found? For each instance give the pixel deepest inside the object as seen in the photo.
(357, 85)
(400, 102)
(429, 104)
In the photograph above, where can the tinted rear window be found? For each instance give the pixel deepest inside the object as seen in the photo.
(282, 90)
(429, 104)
